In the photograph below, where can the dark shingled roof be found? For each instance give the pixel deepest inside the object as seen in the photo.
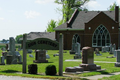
(83, 17)
(34, 35)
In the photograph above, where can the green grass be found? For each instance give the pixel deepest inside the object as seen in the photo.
(16, 69)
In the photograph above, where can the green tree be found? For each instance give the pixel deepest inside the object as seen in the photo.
(68, 7)
(112, 7)
(51, 25)
(17, 39)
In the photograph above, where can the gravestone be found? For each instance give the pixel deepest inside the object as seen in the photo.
(2, 60)
(40, 56)
(4, 54)
(97, 52)
(115, 53)
(29, 51)
(88, 59)
(117, 64)
(19, 48)
(103, 49)
(77, 51)
(111, 49)
(47, 56)
(3, 49)
(30, 55)
(13, 56)
(87, 62)
(18, 56)
(72, 51)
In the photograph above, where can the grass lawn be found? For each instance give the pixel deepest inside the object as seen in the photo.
(16, 69)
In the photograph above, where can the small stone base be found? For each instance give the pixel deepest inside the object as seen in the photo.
(117, 64)
(79, 69)
(70, 69)
(88, 67)
(98, 66)
(72, 52)
(2, 64)
(40, 61)
(74, 69)
(77, 57)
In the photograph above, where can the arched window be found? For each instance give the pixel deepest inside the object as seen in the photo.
(101, 37)
(76, 38)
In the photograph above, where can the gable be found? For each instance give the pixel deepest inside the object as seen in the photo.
(102, 18)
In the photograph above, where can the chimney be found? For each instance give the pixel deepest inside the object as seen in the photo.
(117, 13)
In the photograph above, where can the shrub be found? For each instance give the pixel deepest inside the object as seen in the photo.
(51, 70)
(32, 69)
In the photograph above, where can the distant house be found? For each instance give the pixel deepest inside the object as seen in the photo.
(91, 28)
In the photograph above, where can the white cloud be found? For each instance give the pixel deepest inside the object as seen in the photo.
(1, 18)
(31, 14)
(43, 1)
(92, 4)
(118, 2)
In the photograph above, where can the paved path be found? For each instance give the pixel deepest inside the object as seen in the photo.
(2, 77)
(96, 77)
(94, 61)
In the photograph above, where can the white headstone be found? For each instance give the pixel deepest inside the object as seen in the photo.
(47, 56)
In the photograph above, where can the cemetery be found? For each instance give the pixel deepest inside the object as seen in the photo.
(72, 53)
(91, 62)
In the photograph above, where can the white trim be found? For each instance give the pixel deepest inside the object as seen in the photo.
(68, 29)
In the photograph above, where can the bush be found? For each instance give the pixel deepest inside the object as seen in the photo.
(51, 70)
(32, 69)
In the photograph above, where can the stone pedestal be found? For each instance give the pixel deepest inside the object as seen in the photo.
(89, 67)
(117, 64)
(9, 59)
(40, 56)
(74, 69)
(2, 60)
(72, 52)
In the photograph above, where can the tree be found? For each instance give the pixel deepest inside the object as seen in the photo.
(51, 25)
(17, 39)
(112, 7)
(68, 7)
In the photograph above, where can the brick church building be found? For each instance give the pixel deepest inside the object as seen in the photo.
(91, 28)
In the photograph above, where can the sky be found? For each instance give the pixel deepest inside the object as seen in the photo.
(25, 16)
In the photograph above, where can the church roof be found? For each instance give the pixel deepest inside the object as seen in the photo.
(79, 18)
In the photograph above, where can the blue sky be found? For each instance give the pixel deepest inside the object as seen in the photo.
(24, 16)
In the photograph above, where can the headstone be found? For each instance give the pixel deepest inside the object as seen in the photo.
(29, 50)
(2, 60)
(97, 52)
(115, 53)
(19, 48)
(40, 56)
(30, 55)
(19, 57)
(47, 56)
(103, 49)
(111, 49)
(117, 64)
(12, 56)
(77, 51)
(3, 49)
(4, 54)
(55, 54)
(88, 59)
(72, 51)
(107, 48)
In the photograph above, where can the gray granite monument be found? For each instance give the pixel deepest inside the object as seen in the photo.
(117, 64)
